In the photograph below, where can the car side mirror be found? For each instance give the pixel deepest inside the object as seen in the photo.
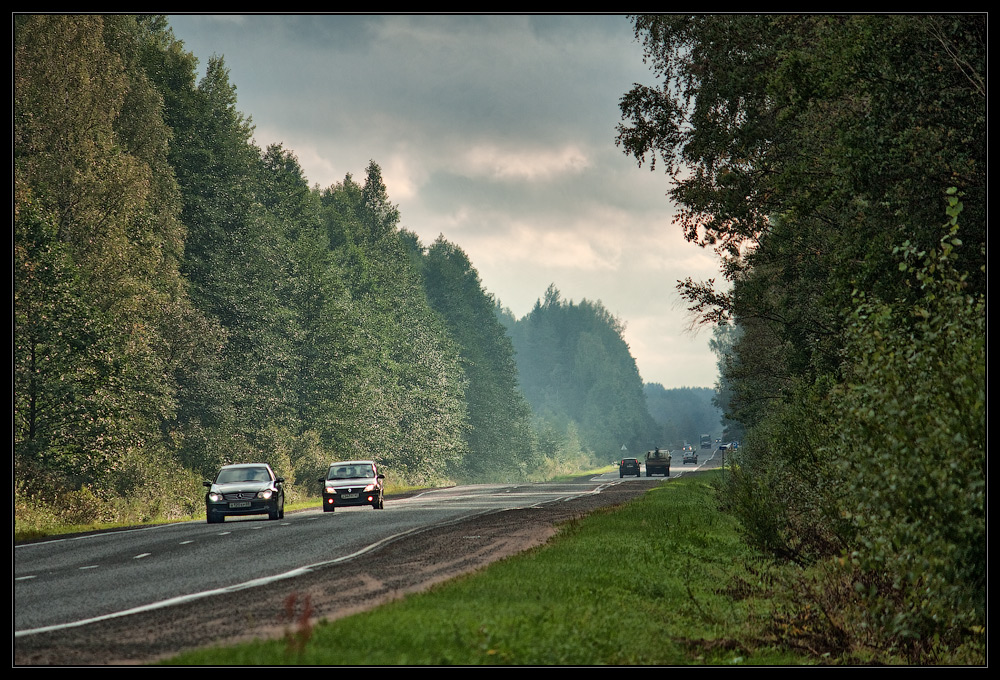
(280, 480)
(381, 476)
(206, 484)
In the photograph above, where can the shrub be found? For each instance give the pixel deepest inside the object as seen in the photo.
(911, 440)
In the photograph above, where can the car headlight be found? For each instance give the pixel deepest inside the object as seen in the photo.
(330, 489)
(370, 487)
(215, 496)
(265, 494)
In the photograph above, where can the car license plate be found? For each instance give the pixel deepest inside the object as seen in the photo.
(348, 495)
(239, 504)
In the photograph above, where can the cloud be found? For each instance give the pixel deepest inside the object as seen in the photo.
(551, 249)
(529, 164)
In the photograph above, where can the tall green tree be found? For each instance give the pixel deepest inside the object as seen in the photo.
(752, 105)
(499, 437)
(102, 317)
(406, 405)
(235, 258)
(318, 332)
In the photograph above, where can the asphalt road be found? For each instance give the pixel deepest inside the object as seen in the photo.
(79, 600)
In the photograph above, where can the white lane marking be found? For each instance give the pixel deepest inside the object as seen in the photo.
(228, 589)
(101, 534)
(141, 555)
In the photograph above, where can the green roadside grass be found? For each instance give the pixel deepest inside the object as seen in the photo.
(54, 529)
(663, 580)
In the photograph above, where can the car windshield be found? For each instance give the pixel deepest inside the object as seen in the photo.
(255, 474)
(350, 471)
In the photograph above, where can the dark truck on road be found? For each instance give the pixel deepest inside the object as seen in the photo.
(657, 463)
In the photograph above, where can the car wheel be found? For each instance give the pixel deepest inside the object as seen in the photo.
(215, 519)
(327, 508)
(273, 514)
(281, 510)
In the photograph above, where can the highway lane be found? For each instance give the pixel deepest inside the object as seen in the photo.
(72, 581)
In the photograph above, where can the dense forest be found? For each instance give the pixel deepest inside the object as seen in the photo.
(838, 167)
(185, 299)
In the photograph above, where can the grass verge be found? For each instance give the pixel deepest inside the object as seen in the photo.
(660, 581)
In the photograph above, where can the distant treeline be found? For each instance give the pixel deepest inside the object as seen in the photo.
(184, 299)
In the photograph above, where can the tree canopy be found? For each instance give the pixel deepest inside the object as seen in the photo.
(837, 165)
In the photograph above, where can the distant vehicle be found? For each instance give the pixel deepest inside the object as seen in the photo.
(629, 466)
(706, 441)
(690, 457)
(352, 482)
(246, 489)
(657, 463)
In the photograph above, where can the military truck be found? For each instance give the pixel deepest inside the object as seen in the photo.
(657, 463)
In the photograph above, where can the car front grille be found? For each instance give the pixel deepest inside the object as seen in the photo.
(240, 496)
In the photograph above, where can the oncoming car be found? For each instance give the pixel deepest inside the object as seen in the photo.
(245, 489)
(352, 482)
(690, 457)
(629, 466)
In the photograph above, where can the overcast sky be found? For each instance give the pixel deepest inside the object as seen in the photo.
(497, 132)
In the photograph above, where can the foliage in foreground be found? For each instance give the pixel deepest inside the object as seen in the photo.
(810, 152)
(888, 490)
